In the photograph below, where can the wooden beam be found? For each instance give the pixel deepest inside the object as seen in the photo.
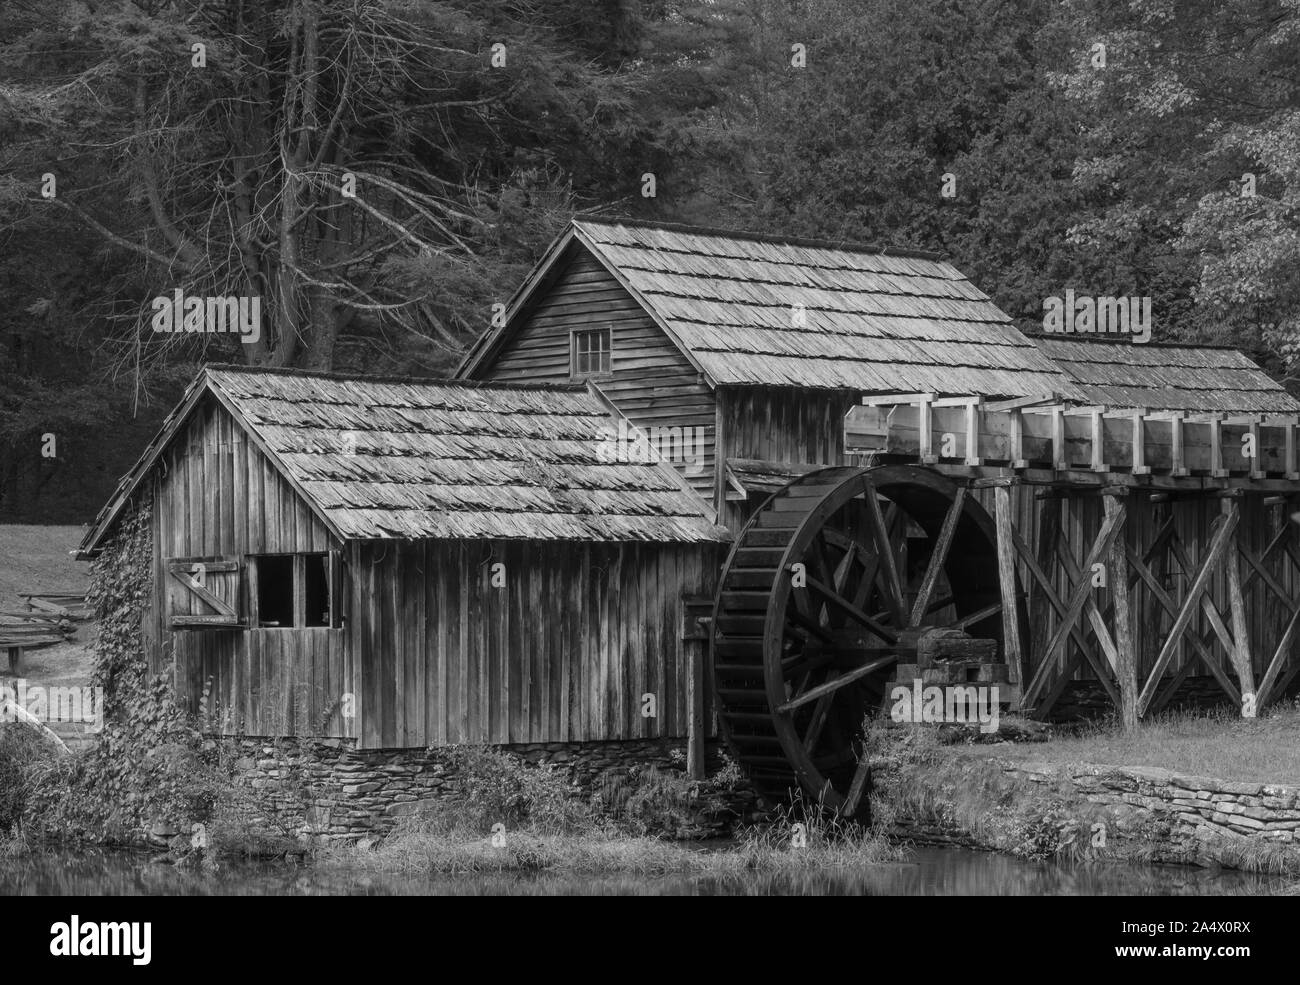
(1125, 652)
(1140, 466)
(1239, 654)
(1217, 470)
(1013, 653)
(695, 687)
(1178, 454)
(885, 552)
(1265, 690)
(973, 412)
(1059, 461)
(938, 557)
(1098, 463)
(925, 431)
(1018, 460)
(1021, 402)
(879, 399)
(835, 684)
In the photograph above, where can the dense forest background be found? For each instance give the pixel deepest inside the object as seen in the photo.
(381, 172)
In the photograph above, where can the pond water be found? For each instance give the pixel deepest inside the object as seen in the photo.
(928, 872)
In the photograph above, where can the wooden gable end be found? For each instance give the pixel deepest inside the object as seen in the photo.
(220, 497)
(651, 382)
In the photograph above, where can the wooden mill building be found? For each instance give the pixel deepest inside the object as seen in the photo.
(415, 563)
(831, 461)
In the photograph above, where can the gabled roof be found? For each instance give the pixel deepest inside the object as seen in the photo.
(1119, 373)
(386, 458)
(775, 311)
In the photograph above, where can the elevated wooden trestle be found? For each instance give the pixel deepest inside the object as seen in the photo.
(1155, 550)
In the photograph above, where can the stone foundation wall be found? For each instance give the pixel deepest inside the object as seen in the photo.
(327, 790)
(1198, 808)
(1148, 813)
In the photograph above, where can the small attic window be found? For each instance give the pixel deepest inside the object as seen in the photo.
(590, 353)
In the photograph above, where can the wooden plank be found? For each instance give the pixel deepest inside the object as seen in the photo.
(696, 738)
(1013, 653)
(1239, 653)
(1125, 651)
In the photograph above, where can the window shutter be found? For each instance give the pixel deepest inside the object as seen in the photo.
(204, 592)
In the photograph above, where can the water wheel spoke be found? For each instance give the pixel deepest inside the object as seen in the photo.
(807, 665)
(977, 616)
(818, 721)
(938, 557)
(810, 624)
(884, 544)
(847, 608)
(831, 686)
(841, 573)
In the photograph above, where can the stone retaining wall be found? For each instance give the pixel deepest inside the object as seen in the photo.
(327, 790)
(1199, 807)
(1147, 812)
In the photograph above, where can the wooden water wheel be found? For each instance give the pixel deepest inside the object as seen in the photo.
(827, 587)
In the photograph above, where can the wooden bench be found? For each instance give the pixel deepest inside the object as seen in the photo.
(18, 637)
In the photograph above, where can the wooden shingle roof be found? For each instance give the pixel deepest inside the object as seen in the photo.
(770, 311)
(1167, 377)
(383, 459)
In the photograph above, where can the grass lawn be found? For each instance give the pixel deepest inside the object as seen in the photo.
(1219, 744)
(38, 559)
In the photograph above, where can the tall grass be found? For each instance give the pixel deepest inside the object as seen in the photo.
(513, 817)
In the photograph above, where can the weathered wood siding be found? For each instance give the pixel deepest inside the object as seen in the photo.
(218, 495)
(780, 425)
(651, 382)
(563, 651)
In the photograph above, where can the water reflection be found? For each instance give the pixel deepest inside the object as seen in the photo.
(930, 872)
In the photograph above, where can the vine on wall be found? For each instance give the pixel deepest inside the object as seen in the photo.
(151, 766)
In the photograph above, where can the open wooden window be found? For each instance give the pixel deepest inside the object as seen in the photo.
(204, 592)
(589, 353)
(295, 591)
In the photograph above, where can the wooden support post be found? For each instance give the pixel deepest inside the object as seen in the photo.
(925, 429)
(1012, 644)
(695, 690)
(1177, 456)
(974, 411)
(1049, 530)
(1217, 471)
(1098, 432)
(1240, 651)
(1125, 651)
(1058, 439)
(1018, 460)
(1256, 472)
(1140, 466)
(1291, 467)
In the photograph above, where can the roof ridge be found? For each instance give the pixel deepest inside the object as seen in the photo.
(1121, 340)
(746, 234)
(393, 378)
